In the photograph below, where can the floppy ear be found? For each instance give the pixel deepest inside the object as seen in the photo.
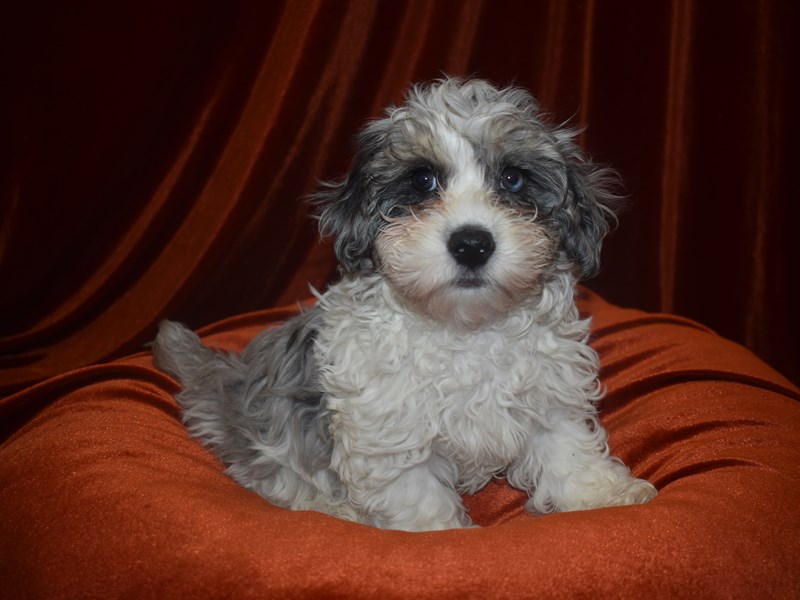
(348, 210)
(592, 206)
(344, 214)
(587, 210)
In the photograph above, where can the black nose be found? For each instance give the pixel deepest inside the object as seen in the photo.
(471, 246)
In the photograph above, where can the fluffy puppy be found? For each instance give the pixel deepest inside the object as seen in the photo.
(451, 350)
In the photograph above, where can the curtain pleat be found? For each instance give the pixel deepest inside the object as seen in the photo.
(675, 142)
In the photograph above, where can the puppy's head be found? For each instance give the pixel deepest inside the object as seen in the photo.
(467, 202)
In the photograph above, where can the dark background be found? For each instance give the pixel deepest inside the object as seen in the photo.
(153, 153)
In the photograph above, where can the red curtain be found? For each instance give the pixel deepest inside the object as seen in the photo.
(155, 152)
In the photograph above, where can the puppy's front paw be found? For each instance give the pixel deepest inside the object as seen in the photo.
(631, 491)
(616, 488)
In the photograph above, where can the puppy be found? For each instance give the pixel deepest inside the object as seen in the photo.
(451, 350)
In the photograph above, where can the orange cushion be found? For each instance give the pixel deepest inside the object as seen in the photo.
(104, 495)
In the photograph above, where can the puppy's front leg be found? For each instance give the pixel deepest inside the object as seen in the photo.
(568, 467)
(390, 493)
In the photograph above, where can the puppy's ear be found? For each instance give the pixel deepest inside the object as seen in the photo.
(348, 210)
(343, 214)
(588, 210)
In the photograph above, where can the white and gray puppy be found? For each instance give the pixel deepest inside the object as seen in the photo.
(451, 351)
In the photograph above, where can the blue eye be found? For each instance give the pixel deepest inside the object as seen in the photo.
(512, 180)
(424, 180)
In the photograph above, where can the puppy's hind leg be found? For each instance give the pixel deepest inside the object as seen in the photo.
(261, 411)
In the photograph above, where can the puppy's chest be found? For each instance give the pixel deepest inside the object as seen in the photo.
(485, 401)
(471, 396)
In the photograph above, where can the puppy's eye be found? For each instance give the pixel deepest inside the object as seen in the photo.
(424, 180)
(512, 180)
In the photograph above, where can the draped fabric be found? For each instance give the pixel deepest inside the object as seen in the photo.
(156, 154)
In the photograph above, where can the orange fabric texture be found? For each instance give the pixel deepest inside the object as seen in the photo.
(104, 495)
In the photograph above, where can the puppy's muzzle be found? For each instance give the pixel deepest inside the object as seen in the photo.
(471, 246)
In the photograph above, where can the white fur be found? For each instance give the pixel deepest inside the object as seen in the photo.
(421, 409)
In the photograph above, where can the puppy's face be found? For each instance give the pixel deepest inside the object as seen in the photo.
(466, 202)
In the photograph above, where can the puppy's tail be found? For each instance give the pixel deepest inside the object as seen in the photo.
(179, 352)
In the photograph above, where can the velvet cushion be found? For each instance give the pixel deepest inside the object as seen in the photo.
(104, 494)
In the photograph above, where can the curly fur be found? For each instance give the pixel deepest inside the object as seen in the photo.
(451, 351)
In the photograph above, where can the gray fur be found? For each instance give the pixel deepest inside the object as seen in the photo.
(265, 401)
